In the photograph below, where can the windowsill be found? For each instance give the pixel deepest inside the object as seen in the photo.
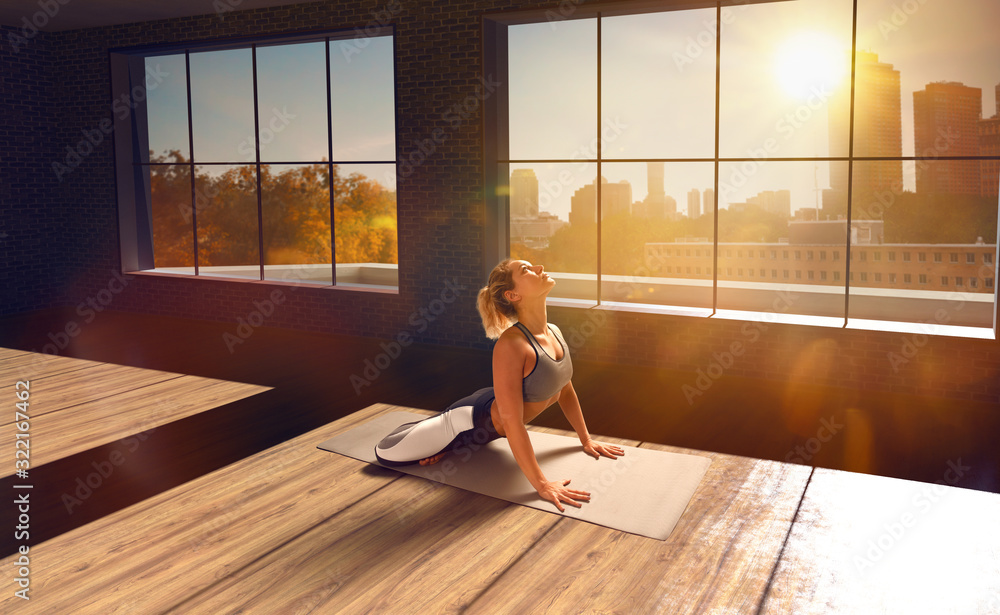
(921, 328)
(365, 277)
(931, 310)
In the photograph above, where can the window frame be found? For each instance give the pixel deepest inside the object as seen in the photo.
(132, 163)
(497, 163)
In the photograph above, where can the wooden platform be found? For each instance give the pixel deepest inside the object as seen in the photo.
(77, 405)
(101, 436)
(295, 530)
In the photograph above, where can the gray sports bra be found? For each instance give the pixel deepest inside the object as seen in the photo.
(549, 376)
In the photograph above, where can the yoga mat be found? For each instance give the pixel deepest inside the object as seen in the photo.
(643, 492)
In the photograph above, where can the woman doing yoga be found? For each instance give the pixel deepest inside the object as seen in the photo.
(531, 371)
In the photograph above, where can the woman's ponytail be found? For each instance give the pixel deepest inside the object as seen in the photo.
(495, 309)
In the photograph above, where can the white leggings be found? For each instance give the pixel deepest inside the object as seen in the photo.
(464, 423)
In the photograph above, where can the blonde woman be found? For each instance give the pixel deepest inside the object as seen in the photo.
(531, 371)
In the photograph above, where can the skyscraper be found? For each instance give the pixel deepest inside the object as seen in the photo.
(656, 204)
(694, 203)
(945, 123)
(877, 132)
(708, 200)
(989, 145)
(523, 194)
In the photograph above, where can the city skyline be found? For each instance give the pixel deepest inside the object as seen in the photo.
(898, 38)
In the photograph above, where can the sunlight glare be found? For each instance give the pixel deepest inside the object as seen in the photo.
(810, 62)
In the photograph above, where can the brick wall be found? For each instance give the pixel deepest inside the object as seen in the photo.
(64, 245)
(30, 239)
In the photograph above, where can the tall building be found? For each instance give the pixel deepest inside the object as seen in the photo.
(616, 198)
(877, 132)
(946, 123)
(708, 200)
(523, 194)
(989, 145)
(657, 203)
(694, 203)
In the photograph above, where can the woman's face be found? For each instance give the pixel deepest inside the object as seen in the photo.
(530, 280)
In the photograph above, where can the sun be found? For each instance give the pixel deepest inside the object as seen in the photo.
(808, 62)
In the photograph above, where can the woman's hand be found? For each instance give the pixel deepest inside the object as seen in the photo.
(596, 450)
(556, 492)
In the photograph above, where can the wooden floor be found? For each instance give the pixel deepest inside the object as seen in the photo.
(78, 405)
(232, 508)
(294, 529)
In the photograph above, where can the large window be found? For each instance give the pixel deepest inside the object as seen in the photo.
(753, 159)
(274, 160)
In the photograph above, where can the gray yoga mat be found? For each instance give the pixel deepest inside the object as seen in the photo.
(643, 492)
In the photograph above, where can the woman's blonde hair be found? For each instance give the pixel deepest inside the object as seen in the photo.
(495, 309)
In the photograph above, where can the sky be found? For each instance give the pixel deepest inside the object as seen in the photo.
(780, 63)
(292, 104)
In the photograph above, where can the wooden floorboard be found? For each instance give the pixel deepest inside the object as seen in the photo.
(869, 544)
(77, 405)
(166, 550)
(296, 529)
(429, 547)
(718, 559)
(90, 382)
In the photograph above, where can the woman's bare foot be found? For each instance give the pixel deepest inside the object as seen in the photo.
(432, 460)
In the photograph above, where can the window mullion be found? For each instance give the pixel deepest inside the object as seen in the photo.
(256, 137)
(715, 186)
(329, 165)
(191, 167)
(600, 158)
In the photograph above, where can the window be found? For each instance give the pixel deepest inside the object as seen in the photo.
(592, 106)
(970, 258)
(269, 160)
(937, 257)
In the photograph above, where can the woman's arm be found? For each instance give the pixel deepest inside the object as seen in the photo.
(508, 369)
(570, 405)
